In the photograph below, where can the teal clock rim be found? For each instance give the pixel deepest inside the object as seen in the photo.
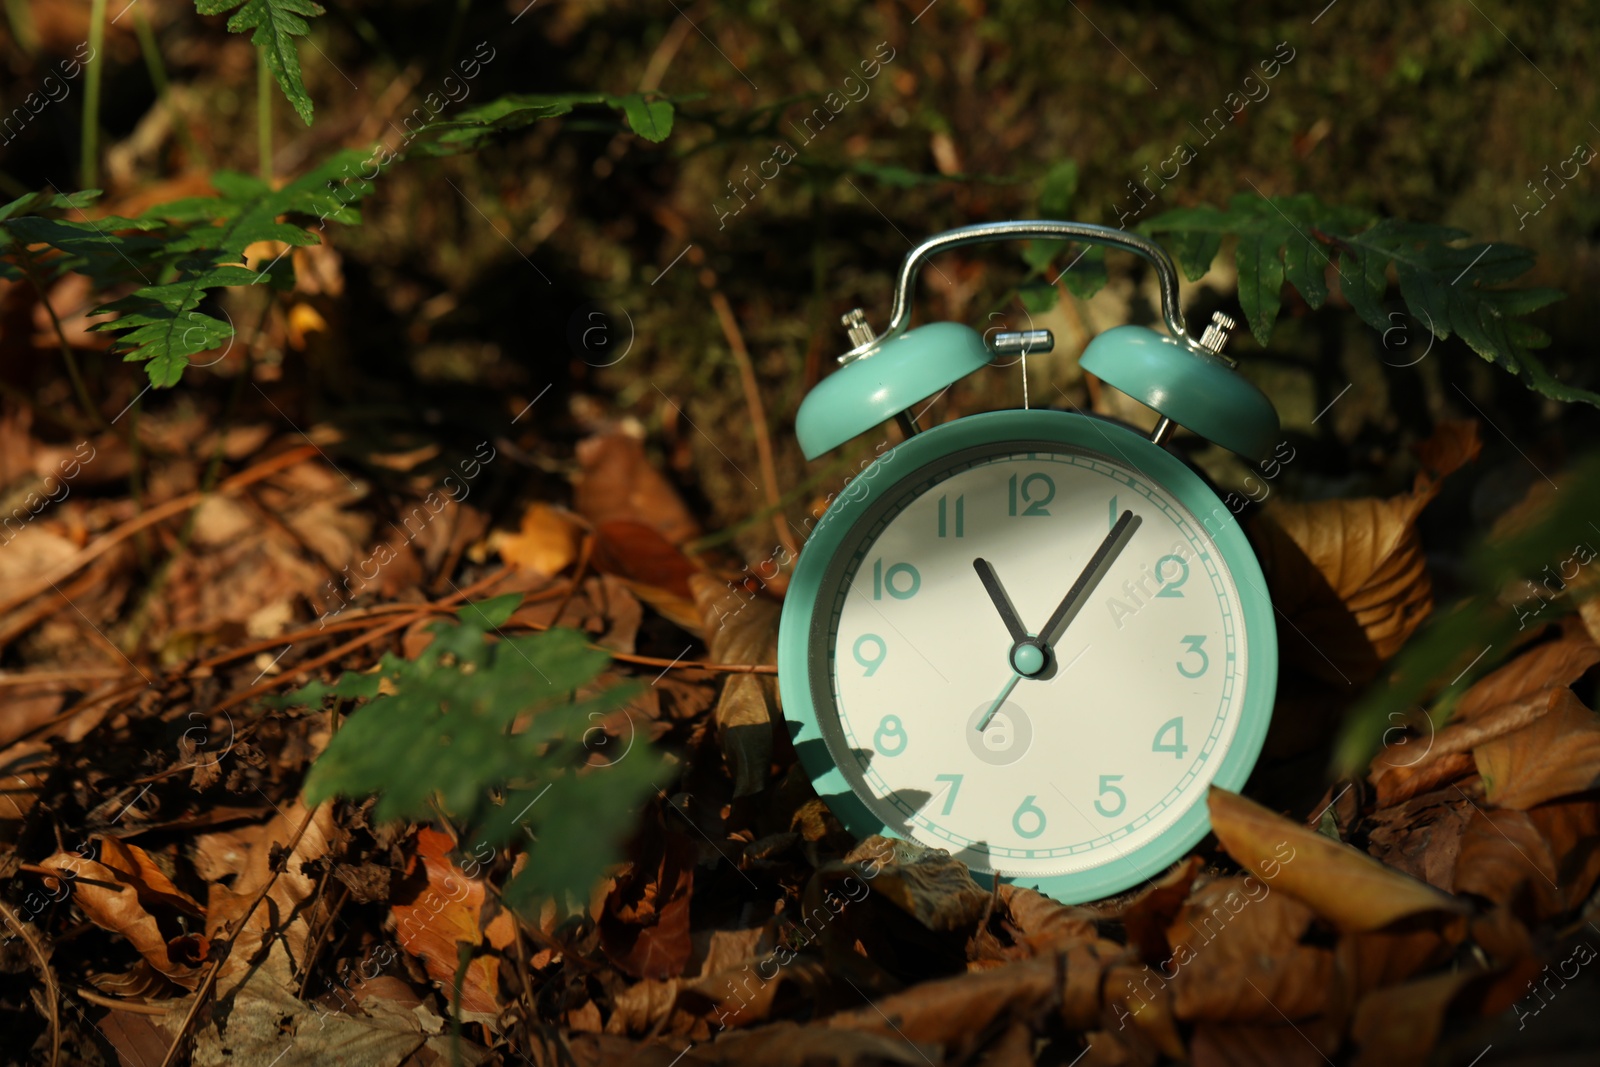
(1117, 445)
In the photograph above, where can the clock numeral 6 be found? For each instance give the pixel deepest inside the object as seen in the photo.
(950, 794)
(1194, 642)
(1107, 788)
(1028, 807)
(961, 516)
(1176, 747)
(890, 740)
(876, 661)
(909, 581)
(1037, 491)
(1171, 580)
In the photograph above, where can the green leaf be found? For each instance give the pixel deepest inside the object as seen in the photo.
(1085, 275)
(1196, 250)
(1260, 282)
(277, 23)
(1059, 189)
(469, 129)
(650, 119)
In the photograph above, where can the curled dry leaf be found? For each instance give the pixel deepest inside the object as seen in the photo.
(1553, 663)
(1555, 755)
(1400, 773)
(1147, 916)
(742, 629)
(1401, 1024)
(545, 544)
(436, 910)
(1345, 886)
(1349, 575)
(1040, 924)
(1505, 859)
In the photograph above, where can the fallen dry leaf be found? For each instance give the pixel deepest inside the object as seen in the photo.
(1554, 663)
(1401, 1024)
(545, 544)
(620, 482)
(644, 927)
(742, 629)
(1505, 859)
(436, 910)
(1342, 884)
(1555, 755)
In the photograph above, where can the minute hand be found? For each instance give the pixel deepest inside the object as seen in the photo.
(1099, 564)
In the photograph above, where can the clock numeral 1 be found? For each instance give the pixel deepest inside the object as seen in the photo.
(1036, 490)
(890, 740)
(1171, 586)
(961, 516)
(1113, 514)
(1028, 807)
(1194, 642)
(950, 793)
(1108, 789)
(904, 589)
(1176, 747)
(876, 660)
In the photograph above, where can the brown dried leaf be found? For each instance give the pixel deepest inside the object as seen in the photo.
(1147, 916)
(619, 482)
(742, 631)
(435, 910)
(1401, 1024)
(1348, 887)
(1504, 858)
(1554, 663)
(110, 899)
(1555, 755)
(1041, 924)
(928, 884)
(1572, 828)
(546, 543)
(644, 927)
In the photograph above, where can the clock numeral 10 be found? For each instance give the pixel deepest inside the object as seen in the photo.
(1107, 788)
(890, 740)
(950, 793)
(1176, 746)
(901, 579)
(1193, 642)
(1036, 490)
(871, 664)
(1035, 815)
(961, 516)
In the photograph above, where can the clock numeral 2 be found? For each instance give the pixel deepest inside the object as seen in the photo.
(905, 589)
(876, 661)
(1176, 747)
(1171, 586)
(890, 740)
(961, 516)
(950, 794)
(1028, 807)
(1194, 642)
(1107, 788)
(1036, 499)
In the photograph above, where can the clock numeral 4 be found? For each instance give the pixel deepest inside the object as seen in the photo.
(1176, 746)
(1194, 642)
(1035, 815)
(872, 663)
(1171, 580)
(950, 791)
(890, 740)
(1036, 490)
(1107, 788)
(901, 580)
(960, 516)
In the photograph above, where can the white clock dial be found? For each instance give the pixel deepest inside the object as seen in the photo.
(1140, 694)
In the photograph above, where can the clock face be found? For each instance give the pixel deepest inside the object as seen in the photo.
(1046, 752)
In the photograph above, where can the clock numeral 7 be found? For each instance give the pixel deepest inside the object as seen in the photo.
(1037, 490)
(950, 792)
(961, 516)
(901, 579)
(1107, 788)
(1029, 808)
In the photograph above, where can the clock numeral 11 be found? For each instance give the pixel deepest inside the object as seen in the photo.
(961, 516)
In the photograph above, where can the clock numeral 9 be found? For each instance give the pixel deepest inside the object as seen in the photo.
(1171, 586)
(1176, 747)
(1029, 808)
(961, 516)
(909, 581)
(876, 661)
(1194, 642)
(1108, 789)
(1037, 490)
(890, 740)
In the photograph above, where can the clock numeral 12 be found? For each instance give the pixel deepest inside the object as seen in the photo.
(1171, 586)
(1045, 493)
(950, 795)
(1194, 642)
(1176, 747)
(961, 516)
(904, 589)
(1107, 788)
(1028, 807)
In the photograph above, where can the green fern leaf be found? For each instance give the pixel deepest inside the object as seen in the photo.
(277, 23)
(650, 118)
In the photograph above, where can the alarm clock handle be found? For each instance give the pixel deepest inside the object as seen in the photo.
(1033, 229)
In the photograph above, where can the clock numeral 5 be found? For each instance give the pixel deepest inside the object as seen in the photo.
(901, 579)
(1170, 586)
(1194, 642)
(1029, 808)
(890, 740)
(876, 661)
(961, 516)
(1176, 747)
(1107, 788)
(1037, 490)
(950, 794)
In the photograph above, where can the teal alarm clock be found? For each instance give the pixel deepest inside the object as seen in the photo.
(1032, 638)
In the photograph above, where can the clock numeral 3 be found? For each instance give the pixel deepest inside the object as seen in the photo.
(950, 794)
(1037, 490)
(876, 661)
(961, 516)
(901, 579)
(1108, 789)
(1176, 747)
(1029, 808)
(890, 740)
(1170, 586)
(1194, 642)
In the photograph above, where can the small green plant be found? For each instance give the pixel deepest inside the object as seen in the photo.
(484, 729)
(277, 23)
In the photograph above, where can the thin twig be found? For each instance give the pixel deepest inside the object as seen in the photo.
(78, 387)
(51, 993)
(114, 1004)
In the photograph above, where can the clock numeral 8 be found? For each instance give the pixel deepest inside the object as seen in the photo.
(1028, 807)
(904, 589)
(1045, 493)
(1107, 788)
(890, 740)
(876, 661)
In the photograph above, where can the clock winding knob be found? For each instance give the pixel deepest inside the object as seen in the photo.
(1216, 336)
(855, 325)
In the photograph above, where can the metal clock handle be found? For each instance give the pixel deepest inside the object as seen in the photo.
(1033, 229)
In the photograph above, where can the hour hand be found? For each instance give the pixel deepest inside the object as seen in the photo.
(1002, 603)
